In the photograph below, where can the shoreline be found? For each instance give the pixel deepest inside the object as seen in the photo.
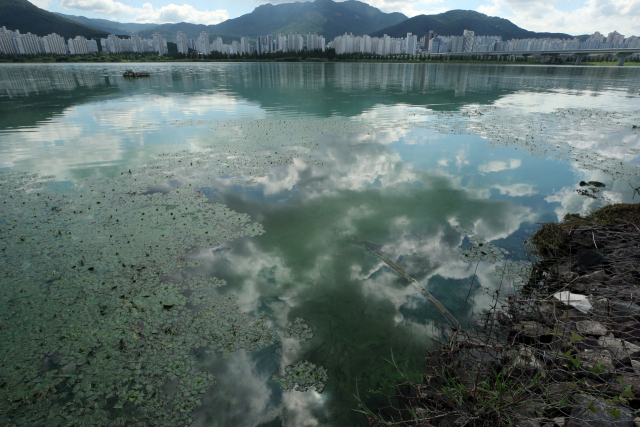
(95, 60)
(561, 351)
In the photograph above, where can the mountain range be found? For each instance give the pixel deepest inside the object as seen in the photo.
(454, 22)
(111, 27)
(26, 17)
(325, 17)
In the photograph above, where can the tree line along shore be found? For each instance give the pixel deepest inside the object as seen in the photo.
(328, 55)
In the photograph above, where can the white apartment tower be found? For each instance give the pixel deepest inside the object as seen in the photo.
(468, 40)
(202, 44)
(54, 43)
(159, 44)
(244, 46)
(181, 41)
(412, 44)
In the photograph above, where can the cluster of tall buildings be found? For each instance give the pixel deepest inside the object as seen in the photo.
(134, 44)
(385, 45)
(284, 43)
(289, 43)
(469, 42)
(204, 46)
(12, 42)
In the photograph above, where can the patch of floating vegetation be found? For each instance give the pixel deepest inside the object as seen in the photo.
(266, 132)
(299, 329)
(302, 376)
(478, 250)
(94, 329)
(566, 133)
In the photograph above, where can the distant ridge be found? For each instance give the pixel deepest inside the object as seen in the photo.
(325, 17)
(26, 17)
(454, 22)
(111, 27)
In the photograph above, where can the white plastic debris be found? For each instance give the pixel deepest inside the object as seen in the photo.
(575, 300)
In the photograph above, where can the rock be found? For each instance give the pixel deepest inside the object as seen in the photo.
(582, 184)
(599, 306)
(622, 280)
(592, 358)
(504, 319)
(565, 273)
(557, 393)
(549, 313)
(524, 357)
(636, 421)
(421, 412)
(589, 327)
(531, 328)
(596, 184)
(559, 421)
(623, 309)
(587, 259)
(601, 418)
(595, 277)
(622, 351)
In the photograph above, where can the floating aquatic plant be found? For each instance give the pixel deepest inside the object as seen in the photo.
(479, 249)
(94, 331)
(299, 329)
(580, 135)
(302, 376)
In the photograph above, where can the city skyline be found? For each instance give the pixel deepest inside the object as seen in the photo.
(572, 17)
(13, 42)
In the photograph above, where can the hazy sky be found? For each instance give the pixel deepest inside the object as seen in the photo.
(569, 16)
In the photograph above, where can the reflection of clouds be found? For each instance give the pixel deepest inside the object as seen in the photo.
(299, 408)
(241, 397)
(368, 162)
(516, 190)
(493, 227)
(58, 145)
(497, 165)
(128, 114)
(570, 202)
(461, 158)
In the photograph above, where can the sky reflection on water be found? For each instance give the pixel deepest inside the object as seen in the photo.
(399, 186)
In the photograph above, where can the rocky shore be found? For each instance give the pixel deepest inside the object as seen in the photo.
(563, 351)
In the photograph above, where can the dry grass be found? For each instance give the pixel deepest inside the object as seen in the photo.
(552, 239)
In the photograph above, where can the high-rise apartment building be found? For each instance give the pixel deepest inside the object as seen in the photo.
(202, 43)
(181, 42)
(159, 44)
(54, 43)
(468, 40)
(615, 38)
(412, 44)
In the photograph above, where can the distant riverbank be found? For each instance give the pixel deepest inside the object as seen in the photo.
(110, 60)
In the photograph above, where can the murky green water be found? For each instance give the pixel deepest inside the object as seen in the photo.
(180, 316)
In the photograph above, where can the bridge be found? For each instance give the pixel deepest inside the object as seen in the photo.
(549, 56)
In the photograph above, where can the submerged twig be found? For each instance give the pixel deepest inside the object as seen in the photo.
(441, 308)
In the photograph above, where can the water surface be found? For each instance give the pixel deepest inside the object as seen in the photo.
(323, 157)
